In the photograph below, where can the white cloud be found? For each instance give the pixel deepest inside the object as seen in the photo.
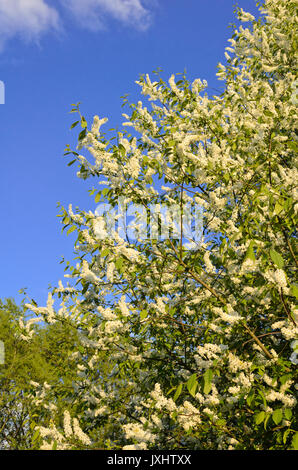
(27, 19)
(30, 19)
(93, 14)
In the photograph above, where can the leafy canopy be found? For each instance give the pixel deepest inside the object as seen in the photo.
(200, 339)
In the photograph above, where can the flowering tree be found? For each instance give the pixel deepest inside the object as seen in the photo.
(43, 359)
(199, 337)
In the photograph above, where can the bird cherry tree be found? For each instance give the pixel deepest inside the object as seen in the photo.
(188, 343)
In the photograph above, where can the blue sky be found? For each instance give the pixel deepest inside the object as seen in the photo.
(54, 53)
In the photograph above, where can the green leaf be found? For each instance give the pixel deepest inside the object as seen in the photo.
(226, 177)
(259, 418)
(295, 441)
(74, 124)
(277, 416)
(97, 197)
(85, 288)
(119, 264)
(285, 436)
(122, 149)
(261, 394)
(192, 384)
(71, 229)
(207, 381)
(284, 378)
(35, 435)
(266, 421)
(32, 425)
(268, 113)
(294, 290)
(250, 252)
(277, 259)
(105, 252)
(83, 122)
(221, 422)
(143, 314)
(293, 146)
(288, 413)
(278, 208)
(250, 398)
(178, 392)
(82, 134)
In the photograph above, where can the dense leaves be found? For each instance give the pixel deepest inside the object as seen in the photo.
(187, 338)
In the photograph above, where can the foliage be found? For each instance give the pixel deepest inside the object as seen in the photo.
(200, 337)
(43, 359)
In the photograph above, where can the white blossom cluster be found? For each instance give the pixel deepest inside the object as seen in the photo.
(176, 346)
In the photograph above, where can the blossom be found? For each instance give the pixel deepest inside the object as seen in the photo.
(280, 278)
(133, 167)
(67, 424)
(188, 416)
(87, 274)
(123, 307)
(174, 87)
(140, 446)
(209, 266)
(217, 313)
(245, 16)
(79, 433)
(110, 271)
(231, 317)
(97, 123)
(136, 431)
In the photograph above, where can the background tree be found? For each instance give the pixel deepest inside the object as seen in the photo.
(43, 359)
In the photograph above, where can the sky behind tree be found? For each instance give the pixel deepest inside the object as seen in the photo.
(54, 53)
